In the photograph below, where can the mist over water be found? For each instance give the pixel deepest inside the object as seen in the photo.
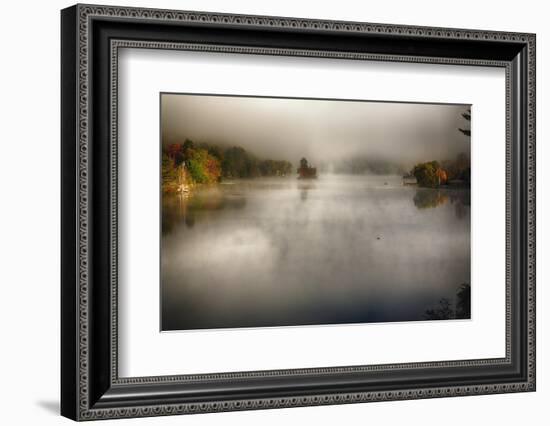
(354, 245)
(324, 131)
(338, 249)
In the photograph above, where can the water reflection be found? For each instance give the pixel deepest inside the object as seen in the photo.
(427, 198)
(340, 249)
(305, 187)
(177, 208)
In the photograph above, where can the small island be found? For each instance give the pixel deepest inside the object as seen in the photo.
(435, 174)
(451, 173)
(305, 171)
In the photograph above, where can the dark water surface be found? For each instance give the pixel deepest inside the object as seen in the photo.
(339, 249)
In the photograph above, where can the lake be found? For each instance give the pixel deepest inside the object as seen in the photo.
(334, 250)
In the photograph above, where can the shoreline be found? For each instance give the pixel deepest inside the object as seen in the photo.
(186, 189)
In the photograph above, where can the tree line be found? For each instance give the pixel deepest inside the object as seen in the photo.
(188, 163)
(433, 174)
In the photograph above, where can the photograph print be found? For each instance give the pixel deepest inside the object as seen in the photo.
(296, 211)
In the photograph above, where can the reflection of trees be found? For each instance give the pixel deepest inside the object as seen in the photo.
(428, 198)
(178, 209)
(304, 189)
(445, 309)
(431, 198)
(174, 208)
(461, 196)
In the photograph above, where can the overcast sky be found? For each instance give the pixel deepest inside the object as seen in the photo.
(322, 131)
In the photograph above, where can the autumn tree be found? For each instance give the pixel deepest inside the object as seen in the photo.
(206, 163)
(203, 167)
(175, 152)
(168, 170)
(427, 174)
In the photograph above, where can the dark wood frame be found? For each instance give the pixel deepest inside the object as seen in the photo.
(91, 37)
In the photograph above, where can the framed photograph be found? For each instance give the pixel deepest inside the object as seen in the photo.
(263, 212)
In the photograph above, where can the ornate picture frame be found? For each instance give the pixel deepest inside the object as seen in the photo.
(91, 37)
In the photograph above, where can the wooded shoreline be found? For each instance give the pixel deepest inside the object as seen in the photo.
(188, 164)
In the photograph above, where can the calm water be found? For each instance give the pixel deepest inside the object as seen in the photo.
(340, 249)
